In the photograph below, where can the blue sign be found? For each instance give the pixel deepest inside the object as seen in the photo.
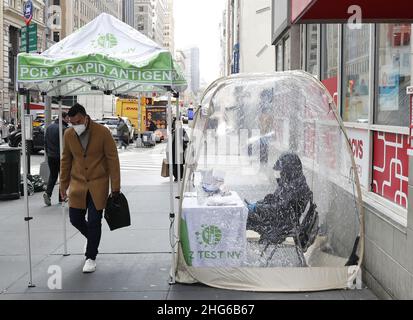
(28, 11)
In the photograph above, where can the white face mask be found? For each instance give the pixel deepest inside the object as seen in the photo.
(277, 174)
(80, 128)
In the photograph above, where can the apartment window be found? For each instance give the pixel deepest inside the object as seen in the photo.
(394, 74)
(356, 74)
(56, 36)
(313, 49)
(140, 8)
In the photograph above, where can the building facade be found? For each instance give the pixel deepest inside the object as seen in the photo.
(161, 8)
(169, 27)
(192, 71)
(367, 68)
(77, 13)
(150, 19)
(144, 17)
(249, 47)
(128, 12)
(12, 22)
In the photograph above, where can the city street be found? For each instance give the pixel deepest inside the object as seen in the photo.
(297, 149)
(134, 262)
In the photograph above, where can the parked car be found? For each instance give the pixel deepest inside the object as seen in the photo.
(112, 123)
(36, 145)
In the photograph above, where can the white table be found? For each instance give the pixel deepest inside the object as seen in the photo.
(214, 236)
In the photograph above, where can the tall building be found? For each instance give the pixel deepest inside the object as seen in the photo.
(248, 46)
(223, 44)
(150, 19)
(128, 12)
(180, 59)
(77, 13)
(160, 21)
(144, 17)
(11, 18)
(169, 27)
(192, 72)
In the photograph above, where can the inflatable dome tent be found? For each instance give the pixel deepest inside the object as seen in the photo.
(271, 199)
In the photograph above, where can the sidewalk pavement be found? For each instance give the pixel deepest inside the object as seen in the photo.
(133, 263)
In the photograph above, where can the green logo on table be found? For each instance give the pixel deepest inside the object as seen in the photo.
(209, 235)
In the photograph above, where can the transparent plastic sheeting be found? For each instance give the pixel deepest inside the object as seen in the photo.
(271, 198)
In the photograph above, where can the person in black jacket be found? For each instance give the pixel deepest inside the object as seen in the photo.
(52, 150)
(183, 146)
(152, 126)
(278, 215)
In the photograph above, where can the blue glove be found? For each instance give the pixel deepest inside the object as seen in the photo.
(252, 207)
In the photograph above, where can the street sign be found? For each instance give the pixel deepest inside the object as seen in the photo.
(28, 12)
(32, 38)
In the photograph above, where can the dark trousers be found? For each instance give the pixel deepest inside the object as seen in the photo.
(54, 167)
(91, 229)
(124, 141)
(175, 171)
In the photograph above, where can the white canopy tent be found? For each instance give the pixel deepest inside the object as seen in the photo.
(106, 56)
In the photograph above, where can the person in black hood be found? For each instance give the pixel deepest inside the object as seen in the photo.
(278, 214)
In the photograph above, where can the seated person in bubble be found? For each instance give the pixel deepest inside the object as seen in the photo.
(279, 214)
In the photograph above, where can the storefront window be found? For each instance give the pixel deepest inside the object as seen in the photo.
(312, 49)
(280, 57)
(356, 74)
(394, 74)
(329, 58)
(287, 54)
(329, 54)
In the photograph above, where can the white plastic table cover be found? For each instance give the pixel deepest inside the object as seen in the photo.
(214, 236)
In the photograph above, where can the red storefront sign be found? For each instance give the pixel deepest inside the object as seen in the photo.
(410, 94)
(309, 11)
(391, 167)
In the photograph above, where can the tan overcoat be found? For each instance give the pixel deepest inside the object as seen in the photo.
(82, 171)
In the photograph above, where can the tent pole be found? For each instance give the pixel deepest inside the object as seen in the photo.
(171, 188)
(27, 218)
(139, 138)
(178, 143)
(65, 254)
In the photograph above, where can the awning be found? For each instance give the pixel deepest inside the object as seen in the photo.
(323, 11)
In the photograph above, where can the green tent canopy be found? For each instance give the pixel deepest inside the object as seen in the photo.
(105, 55)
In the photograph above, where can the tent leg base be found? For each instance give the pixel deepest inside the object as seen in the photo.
(31, 286)
(66, 255)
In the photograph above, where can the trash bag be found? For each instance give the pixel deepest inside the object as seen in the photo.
(117, 213)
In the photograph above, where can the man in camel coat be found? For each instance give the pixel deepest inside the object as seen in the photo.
(90, 160)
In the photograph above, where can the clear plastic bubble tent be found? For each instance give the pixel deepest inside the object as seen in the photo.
(271, 199)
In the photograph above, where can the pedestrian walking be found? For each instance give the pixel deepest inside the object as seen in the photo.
(182, 145)
(123, 133)
(90, 160)
(52, 149)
